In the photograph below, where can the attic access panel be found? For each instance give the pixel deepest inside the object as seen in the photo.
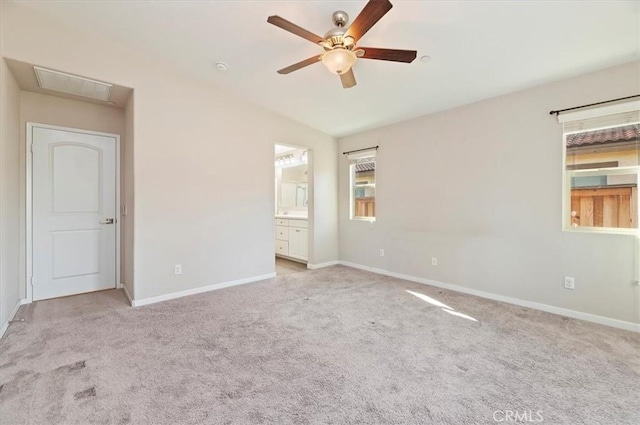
(72, 84)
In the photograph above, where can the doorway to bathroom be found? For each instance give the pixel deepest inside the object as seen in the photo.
(292, 206)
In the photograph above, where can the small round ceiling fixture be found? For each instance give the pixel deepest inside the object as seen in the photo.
(221, 66)
(425, 58)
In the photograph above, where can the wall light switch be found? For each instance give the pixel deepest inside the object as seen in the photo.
(177, 269)
(382, 252)
(434, 261)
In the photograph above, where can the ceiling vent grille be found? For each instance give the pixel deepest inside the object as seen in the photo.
(72, 84)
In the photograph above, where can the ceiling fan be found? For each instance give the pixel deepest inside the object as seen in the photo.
(340, 43)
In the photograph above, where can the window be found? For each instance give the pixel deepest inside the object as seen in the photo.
(601, 167)
(362, 169)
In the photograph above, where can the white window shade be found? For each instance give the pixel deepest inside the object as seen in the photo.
(360, 156)
(599, 112)
(607, 121)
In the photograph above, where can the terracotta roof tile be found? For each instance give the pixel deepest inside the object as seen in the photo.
(607, 135)
(365, 166)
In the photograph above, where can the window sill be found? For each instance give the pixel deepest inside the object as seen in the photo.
(369, 219)
(602, 231)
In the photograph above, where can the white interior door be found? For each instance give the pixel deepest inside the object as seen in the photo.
(74, 212)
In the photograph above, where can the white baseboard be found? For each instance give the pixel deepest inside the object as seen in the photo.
(621, 324)
(5, 325)
(214, 287)
(321, 265)
(127, 294)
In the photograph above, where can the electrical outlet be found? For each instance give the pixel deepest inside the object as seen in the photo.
(177, 269)
(434, 261)
(382, 252)
(569, 282)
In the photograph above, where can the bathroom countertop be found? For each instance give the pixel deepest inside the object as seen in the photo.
(292, 217)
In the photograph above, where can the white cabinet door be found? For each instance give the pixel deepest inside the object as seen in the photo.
(299, 243)
(74, 213)
(282, 247)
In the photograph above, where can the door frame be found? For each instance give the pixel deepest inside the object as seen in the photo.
(310, 203)
(29, 200)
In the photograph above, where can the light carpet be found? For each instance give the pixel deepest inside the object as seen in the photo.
(335, 345)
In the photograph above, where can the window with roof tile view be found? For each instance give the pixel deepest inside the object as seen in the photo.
(602, 156)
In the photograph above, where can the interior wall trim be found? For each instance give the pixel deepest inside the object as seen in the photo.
(14, 311)
(321, 265)
(601, 320)
(199, 290)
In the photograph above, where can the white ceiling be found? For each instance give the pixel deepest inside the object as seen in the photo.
(478, 49)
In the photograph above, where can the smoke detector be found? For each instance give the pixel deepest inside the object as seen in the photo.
(222, 66)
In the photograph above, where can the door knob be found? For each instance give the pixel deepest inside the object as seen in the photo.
(106, 221)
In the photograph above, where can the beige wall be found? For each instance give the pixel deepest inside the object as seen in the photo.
(190, 137)
(43, 109)
(9, 193)
(479, 187)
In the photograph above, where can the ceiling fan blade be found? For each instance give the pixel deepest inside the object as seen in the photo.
(348, 79)
(394, 55)
(372, 12)
(294, 29)
(301, 64)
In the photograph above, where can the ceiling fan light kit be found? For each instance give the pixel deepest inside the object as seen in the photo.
(339, 60)
(340, 43)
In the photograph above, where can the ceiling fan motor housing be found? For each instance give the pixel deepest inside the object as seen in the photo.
(340, 18)
(335, 37)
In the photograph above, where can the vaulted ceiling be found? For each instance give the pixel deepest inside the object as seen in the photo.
(477, 50)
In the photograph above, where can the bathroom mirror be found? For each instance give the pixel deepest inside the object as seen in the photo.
(293, 188)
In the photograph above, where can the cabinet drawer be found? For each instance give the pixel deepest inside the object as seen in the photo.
(282, 247)
(299, 223)
(282, 233)
(282, 222)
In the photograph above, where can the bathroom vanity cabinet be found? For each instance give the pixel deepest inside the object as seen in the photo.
(292, 238)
